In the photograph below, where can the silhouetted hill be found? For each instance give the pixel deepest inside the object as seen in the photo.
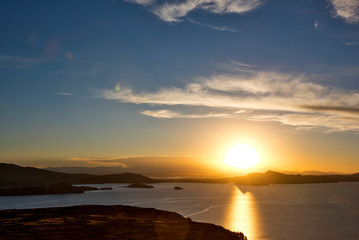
(13, 175)
(271, 177)
(106, 222)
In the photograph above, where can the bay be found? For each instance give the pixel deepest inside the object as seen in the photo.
(276, 212)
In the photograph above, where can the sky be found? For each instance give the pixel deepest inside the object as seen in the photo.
(101, 82)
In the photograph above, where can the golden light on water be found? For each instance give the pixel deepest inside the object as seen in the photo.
(242, 156)
(242, 216)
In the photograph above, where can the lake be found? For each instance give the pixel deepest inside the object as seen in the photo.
(278, 212)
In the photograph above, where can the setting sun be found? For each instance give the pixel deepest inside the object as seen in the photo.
(242, 156)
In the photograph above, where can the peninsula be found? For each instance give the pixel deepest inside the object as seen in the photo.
(107, 222)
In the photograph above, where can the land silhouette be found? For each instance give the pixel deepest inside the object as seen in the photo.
(17, 180)
(13, 175)
(117, 222)
(107, 222)
(271, 177)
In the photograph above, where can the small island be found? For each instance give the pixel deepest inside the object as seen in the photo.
(106, 222)
(139, 185)
(177, 188)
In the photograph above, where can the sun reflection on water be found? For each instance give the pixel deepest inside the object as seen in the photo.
(242, 216)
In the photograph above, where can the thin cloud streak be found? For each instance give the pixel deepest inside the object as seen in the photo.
(79, 73)
(142, 2)
(108, 162)
(255, 91)
(16, 62)
(352, 43)
(217, 28)
(64, 94)
(309, 121)
(18, 59)
(329, 109)
(165, 113)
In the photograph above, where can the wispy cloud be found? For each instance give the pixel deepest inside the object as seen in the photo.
(217, 28)
(18, 59)
(347, 9)
(17, 62)
(334, 109)
(64, 94)
(177, 11)
(312, 120)
(277, 93)
(352, 43)
(78, 73)
(165, 113)
(262, 91)
(142, 2)
(108, 162)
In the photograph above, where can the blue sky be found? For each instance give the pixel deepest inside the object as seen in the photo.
(106, 79)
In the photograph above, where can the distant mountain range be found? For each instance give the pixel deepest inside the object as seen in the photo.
(13, 175)
(148, 166)
(271, 177)
(89, 170)
(312, 172)
(162, 172)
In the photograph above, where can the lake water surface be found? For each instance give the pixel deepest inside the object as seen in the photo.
(279, 212)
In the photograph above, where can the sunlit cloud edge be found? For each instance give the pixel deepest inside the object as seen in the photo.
(178, 11)
(283, 96)
(346, 9)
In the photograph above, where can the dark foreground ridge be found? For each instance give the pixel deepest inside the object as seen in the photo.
(107, 222)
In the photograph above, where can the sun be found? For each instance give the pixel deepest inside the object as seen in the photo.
(242, 156)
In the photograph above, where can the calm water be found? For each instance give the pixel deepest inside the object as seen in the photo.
(280, 212)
